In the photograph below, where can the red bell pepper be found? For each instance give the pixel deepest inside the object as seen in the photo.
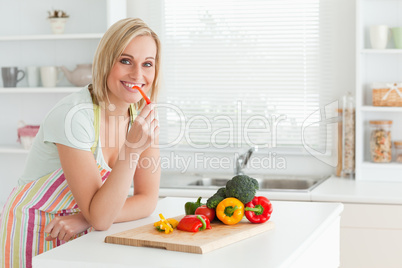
(143, 94)
(206, 211)
(194, 223)
(258, 210)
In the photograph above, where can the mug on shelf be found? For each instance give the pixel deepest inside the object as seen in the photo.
(50, 75)
(10, 76)
(397, 35)
(33, 76)
(379, 36)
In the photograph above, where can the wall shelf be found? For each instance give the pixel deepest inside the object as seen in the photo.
(392, 165)
(367, 108)
(33, 90)
(12, 149)
(381, 51)
(374, 65)
(51, 37)
(27, 40)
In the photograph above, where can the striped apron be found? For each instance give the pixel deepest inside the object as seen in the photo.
(30, 207)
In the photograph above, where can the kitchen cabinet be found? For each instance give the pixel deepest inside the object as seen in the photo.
(372, 66)
(371, 236)
(371, 223)
(29, 42)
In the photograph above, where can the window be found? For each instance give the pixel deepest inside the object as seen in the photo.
(241, 73)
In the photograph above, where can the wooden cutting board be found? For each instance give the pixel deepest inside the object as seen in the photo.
(200, 242)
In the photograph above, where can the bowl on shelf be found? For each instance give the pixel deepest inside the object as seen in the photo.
(26, 134)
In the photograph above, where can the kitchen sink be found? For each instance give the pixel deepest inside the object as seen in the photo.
(268, 183)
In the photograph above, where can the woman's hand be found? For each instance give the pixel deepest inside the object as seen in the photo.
(65, 227)
(144, 130)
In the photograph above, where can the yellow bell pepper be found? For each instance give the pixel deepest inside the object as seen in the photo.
(166, 225)
(173, 222)
(230, 210)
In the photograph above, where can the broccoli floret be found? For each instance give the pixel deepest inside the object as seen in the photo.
(242, 187)
(214, 200)
(255, 182)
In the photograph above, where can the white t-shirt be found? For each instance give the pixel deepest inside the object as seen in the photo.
(71, 123)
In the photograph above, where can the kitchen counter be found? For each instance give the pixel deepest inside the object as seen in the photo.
(366, 192)
(334, 189)
(306, 234)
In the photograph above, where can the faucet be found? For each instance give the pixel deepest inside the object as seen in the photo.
(242, 160)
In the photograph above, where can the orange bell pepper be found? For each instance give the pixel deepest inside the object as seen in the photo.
(230, 210)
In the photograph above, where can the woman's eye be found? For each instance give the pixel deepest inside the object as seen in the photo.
(125, 61)
(148, 64)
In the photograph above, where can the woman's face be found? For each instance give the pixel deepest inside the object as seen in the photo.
(135, 67)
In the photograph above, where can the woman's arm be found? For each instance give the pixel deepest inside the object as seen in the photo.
(142, 204)
(66, 227)
(102, 204)
(146, 187)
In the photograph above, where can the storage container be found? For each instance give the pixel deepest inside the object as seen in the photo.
(348, 136)
(380, 141)
(387, 94)
(398, 151)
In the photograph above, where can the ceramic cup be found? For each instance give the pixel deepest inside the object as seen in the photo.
(33, 76)
(397, 35)
(10, 76)
(50, 75)
(379, 36)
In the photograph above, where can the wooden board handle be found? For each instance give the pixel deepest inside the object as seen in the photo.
(149, 245)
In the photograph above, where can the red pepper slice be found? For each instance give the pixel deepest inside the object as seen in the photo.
(194, 223)
(258, 210)
(143, 94)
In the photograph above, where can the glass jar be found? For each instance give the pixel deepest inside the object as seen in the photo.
(380, 141)
(348, 136)
(398, 151)
(340, 152)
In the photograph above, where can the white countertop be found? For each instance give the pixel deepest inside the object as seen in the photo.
(334, 189)
(351, 191)
(297, 224)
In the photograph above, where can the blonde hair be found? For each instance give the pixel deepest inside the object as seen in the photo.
(110, 47)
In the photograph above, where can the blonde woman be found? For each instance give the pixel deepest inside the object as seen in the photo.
(88, 152)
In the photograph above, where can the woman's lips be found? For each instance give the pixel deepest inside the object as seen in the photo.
(129, 86)
(136, 88)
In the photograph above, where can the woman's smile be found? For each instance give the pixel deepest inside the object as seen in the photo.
(129, 86)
